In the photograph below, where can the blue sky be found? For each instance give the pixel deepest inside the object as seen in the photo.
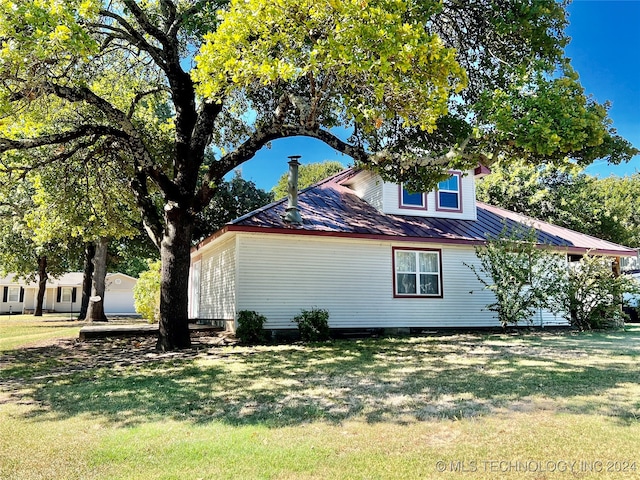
(605, 50)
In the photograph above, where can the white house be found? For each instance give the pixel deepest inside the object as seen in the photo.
(631, 264)
(64, 294)
(368, 251)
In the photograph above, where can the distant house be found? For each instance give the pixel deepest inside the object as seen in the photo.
(64, 294)
(372, 253)
(632, 264)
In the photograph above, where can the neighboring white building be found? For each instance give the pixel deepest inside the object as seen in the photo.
(64, 294)
(371, 253)
(631, 264)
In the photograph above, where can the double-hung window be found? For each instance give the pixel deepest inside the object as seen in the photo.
(13, 294)
(448, 193)
(66, 295)
(411, 200)
(417, 273)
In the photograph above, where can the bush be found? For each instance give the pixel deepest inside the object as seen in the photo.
(146, 292)
(524, 278)
(250, 327)
(592, 295)
(313, 325)
(521, 275)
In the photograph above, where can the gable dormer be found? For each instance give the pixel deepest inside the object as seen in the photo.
(453, 198)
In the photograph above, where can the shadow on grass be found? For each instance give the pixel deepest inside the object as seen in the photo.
(381, 380)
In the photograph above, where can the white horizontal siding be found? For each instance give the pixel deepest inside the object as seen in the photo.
(218, 281)
(391, 201)
(353, 279)
(368, 186)
(549, 319)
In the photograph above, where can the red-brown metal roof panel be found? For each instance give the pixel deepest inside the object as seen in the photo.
(331, 207)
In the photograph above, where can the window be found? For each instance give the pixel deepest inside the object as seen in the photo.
(66, 294)
(417, 273)
(448, 193)
(411, 200)
(14, 294)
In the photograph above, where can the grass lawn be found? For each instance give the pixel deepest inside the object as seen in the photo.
(22, 330)
(536, 405)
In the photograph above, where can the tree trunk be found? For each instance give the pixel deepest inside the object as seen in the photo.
(42, 285)
(95, 311)
(87, 279)
(175, 251)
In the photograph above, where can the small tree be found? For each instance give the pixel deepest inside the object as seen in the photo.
(591, 294)
(520, 274)
(146, 293)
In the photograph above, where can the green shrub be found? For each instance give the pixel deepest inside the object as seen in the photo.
(521, 275)
(250, 327)
(525, 278)
(313, 324)
(592, 295)
(146, 292)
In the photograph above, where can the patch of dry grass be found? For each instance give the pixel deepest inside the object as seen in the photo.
(411, 407)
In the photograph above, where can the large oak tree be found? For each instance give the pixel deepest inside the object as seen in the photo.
(424, 86)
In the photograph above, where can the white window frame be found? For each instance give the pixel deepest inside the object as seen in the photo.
(458, 193)
(13, 294)
(417, 273)
(66, 294)
(423, 197)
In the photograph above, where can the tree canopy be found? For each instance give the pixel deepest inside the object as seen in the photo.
(307, 175)
(564, 195)
(232, 199)
(157, 87)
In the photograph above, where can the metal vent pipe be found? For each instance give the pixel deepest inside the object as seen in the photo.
(292, 214)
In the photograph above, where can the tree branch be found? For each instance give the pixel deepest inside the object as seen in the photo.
(139, 96)
(129, 132)
(267, 134)
(204, 126)
(130, 34)
(259, 139)
(150, 216)
(146, 24)
(7, 144)
(169, 11)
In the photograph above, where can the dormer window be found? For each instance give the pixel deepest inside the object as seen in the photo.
(411, 200)
(449, 193)
(454, 197)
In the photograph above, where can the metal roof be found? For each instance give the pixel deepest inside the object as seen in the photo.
(329, 208)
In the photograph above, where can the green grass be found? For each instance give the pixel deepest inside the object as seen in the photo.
(373, 408)
(20, 330)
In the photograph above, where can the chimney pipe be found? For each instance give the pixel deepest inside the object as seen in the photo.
(293, 212)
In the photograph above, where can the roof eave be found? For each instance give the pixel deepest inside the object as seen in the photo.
(412, 239)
